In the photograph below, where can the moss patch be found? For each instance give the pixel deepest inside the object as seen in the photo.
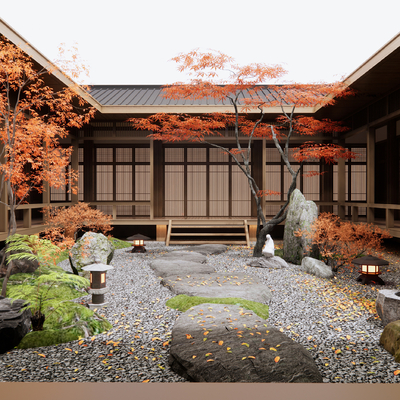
(50, 337)
(183, 302)
(120, 244)
(74, 323)
(278, 253)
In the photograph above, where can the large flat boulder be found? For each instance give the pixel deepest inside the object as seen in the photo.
(15, 322)
(388, 305)
(207, 249)
(301, 214)
(168, 267)
(219, 284)
(184, 256)
(390, 339)
(227, 343)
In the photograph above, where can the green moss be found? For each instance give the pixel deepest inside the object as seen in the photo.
(278, 253)
(50, 337)
(120, 244)
(183, 303)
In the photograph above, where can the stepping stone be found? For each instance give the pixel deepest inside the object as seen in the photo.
(184, 256)
(239, 347)
(274, 262)
(207, 249)
(219, 284)
(168, 267)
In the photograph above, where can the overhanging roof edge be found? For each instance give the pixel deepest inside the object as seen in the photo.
(12, 35)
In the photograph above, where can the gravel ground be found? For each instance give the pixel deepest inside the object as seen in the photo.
(334, 320)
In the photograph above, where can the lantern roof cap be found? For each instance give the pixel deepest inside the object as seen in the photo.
(370, 260)
(138, 236)
(97, 267)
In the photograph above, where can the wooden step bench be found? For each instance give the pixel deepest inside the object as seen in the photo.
(199, 231)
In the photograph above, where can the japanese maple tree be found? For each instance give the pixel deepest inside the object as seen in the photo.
(249, 90)
(33, 118)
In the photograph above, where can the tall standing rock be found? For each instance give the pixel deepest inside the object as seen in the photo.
(89, 249)
(301, 214)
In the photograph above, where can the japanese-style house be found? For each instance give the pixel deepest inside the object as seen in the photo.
(155, 188)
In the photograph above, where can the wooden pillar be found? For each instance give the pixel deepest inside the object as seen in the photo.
(158, 179)
(341, 184)
(392, 176)
(27, 217)
(89, 173)
(257, 170)
(264, 173)
(370, 174)
(75, 163)
(161, 233)
(326, 186)
(152, 178)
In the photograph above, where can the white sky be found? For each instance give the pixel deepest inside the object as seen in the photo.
(132, 41)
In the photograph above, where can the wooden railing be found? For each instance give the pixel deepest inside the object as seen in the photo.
(389, 222)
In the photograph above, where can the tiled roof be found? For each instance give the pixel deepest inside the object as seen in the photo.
(150, 95)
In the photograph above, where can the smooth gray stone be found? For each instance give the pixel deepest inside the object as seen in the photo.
(219, 284)
(249, 359)
(184, 256)
(168, 267)
(207, 249)
(316, 267)
(388, 305)
(274, 262)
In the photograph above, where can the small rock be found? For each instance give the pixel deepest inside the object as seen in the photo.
(274, 262)
(316, 267)
(388, 305)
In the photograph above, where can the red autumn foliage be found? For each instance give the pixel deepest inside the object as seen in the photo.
(65, 222)
(33, 118)
(340, 242)
(247, 91)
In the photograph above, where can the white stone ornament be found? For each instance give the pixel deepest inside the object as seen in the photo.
(268, 249)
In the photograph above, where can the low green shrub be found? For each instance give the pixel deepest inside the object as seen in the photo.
(183, 302)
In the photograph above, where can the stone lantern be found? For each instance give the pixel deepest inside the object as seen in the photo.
(138, 243)
(370, 269)
(97, 284)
